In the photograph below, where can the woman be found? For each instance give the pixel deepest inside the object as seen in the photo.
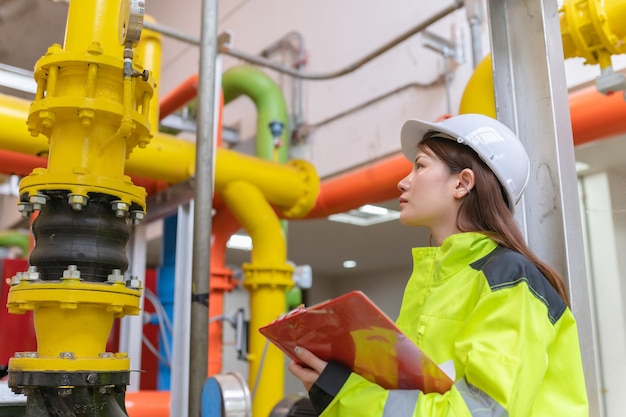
(479, 297)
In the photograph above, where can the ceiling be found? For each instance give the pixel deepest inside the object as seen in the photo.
(29, 27)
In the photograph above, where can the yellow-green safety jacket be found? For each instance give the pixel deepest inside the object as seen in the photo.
(512, 339)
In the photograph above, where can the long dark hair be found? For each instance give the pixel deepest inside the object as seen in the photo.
(485, 208)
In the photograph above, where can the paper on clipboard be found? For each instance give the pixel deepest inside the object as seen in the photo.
(352, 330)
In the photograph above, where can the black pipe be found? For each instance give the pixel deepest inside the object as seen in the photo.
(94, 238)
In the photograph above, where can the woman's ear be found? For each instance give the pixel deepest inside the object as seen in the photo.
(466, 182)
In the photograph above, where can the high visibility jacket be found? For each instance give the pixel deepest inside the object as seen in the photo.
(512, 339)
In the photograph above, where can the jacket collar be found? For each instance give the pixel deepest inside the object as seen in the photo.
(456, 252)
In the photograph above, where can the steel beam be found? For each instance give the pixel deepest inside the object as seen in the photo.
(531, 98)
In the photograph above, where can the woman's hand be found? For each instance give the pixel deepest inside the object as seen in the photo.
(310, 371)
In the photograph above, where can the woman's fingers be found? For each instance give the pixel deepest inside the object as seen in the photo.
(306, 375)
(308, 368)
(310, 359)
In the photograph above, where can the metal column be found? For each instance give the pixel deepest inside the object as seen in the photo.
(179, 404)
(205, 143)
(131, 329)
(531, 98)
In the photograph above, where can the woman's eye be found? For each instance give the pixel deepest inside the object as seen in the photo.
(418, 165)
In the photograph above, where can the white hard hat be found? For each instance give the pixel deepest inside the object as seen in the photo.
(494, 142)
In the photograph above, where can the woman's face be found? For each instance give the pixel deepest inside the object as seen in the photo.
(428, 195)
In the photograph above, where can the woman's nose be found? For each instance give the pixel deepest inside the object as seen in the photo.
(403, 183)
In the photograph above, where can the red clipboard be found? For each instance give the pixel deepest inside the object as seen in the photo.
(352, 330)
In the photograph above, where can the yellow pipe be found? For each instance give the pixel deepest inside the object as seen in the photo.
(267, 278)
(292, 186)
(593, 29)
(154, 161)
(148, 54)
(93, 20)
(14, 133)
(479, 94)
(94, 114)
(86, 310)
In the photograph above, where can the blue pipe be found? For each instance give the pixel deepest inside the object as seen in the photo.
(165, 286)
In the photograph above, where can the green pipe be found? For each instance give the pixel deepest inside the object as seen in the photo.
(270, 104)
(15, 239)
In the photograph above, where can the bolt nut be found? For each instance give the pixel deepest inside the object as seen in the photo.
(16, 278)
(120, 208)
(116, 276)
(136, 216)
(38, 201)
(134, 283)
(31, 274)
(66, 355)
(27, 276)
(77, 201)
(26, 355)
(71, 272)
(24, 207)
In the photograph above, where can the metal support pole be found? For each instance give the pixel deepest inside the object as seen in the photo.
(179, 405)
(531, 98)
(131, 329)
(202, 206)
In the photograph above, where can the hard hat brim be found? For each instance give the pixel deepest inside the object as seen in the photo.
(413, 132)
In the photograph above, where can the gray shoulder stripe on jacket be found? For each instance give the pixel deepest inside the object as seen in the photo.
(479, 403)
(401, 403)
(505, 268)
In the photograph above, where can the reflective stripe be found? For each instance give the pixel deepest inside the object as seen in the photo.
(479, 403)
(401, 403)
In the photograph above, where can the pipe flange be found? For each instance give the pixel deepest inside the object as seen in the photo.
(45, 379)
(311, 190)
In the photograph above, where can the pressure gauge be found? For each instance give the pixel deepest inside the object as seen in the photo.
(131, 21)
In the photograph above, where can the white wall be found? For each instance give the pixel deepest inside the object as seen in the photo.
(336, 35)
(605, 218)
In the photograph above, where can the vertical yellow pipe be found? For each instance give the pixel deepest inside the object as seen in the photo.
(93, 21)
(267, 278)
(92, 114)
(148, 53)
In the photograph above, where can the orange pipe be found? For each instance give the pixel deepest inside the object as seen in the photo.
(15, 163)
(148, 403)
(179, 96)
(221, 282)
(595, 115)
(369, 184)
